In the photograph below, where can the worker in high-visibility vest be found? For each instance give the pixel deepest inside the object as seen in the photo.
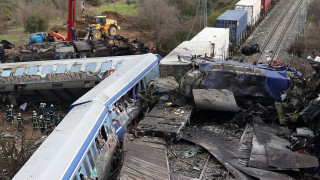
(10, 114)
(51, 111)
(35, 120)
(7, 112)
(20, 123)
(48, 122)
(41, 124)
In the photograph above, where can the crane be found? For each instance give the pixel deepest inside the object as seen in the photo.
(72, 20)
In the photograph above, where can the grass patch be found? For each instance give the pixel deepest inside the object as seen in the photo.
(121, 8)
(16, 35)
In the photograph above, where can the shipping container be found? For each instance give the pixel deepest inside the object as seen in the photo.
(172, 65)
(265, 5)
(236, 21)
(253, 9)
(219, 38)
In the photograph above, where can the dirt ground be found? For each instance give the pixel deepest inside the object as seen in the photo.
(126, 23)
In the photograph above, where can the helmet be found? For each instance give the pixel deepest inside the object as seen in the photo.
(19, 114)
(51, 105)
(41, 104)
(41, 116)
(34, 112)
(44, 104)
(11, 105)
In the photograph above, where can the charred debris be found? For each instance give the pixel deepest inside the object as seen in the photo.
(229, 120)
(109, 46)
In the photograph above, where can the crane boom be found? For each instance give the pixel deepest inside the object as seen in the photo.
(71, 20)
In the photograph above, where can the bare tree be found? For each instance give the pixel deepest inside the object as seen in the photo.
(11, 157)
(161, 18)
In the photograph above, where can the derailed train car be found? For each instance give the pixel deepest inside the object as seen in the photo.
(85, 142)
(63, 80)
(243, 79)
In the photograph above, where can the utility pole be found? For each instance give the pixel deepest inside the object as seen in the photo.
(205, 13)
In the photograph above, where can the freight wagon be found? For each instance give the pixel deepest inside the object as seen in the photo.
(253, 9)
(265, 5)
(172, 65)
(219, 38)
(236, 21)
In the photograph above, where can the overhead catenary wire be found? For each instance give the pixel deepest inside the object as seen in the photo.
(194, 21)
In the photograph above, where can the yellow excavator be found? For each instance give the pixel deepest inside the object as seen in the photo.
(104, 27)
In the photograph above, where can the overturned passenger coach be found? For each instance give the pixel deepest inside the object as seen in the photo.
(85, 143)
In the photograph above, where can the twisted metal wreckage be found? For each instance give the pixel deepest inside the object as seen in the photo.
(109, 46)
(273, 133)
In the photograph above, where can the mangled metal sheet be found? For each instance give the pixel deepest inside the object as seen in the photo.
(312, 112)
(284, 159)
(165, 121)
(215, 99)
(81, 46)
(229, 152)
(278, 154)
(258, 157)
(144, 158)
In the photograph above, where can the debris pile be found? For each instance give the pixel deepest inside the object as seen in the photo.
(272, 133)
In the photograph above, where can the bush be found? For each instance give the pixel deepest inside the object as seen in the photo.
(36, 23)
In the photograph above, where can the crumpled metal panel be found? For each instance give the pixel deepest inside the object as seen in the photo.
(278, 154)
(228, 152)
(285, 159)
(215, 99)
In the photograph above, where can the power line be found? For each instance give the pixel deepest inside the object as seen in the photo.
(194, 20)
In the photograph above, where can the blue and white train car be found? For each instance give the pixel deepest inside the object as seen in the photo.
(85, 141)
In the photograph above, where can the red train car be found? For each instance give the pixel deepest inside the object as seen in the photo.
(265, 5)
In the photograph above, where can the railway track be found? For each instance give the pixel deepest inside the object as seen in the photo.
(272, 45)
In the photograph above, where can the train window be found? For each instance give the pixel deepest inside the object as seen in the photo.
(86, 166)
(90, 159)
(6, 73)
(75, 177)
(94, 150)
(106, 66)
(119, 64)
(61, 68)
(103, 133)
(75, 68)
(33, 70)
(141, 85)
(19, 72)
(91, 67)
(46, 70)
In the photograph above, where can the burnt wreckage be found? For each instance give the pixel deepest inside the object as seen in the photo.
(272, 132)
(109, 46)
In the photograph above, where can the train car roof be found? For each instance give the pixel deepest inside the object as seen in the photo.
(109, 87)
(54, 156)
(65, 61)
(65, 145)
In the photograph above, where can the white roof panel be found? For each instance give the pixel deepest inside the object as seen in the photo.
(187, 48)
(119, 79)
(59, 149)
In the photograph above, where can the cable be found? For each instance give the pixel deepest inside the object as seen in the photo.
(194, 20)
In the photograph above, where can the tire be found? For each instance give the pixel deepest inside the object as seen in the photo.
(97, 35)
(113, 31)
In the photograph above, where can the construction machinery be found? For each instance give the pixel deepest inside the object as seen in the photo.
(104, 27)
